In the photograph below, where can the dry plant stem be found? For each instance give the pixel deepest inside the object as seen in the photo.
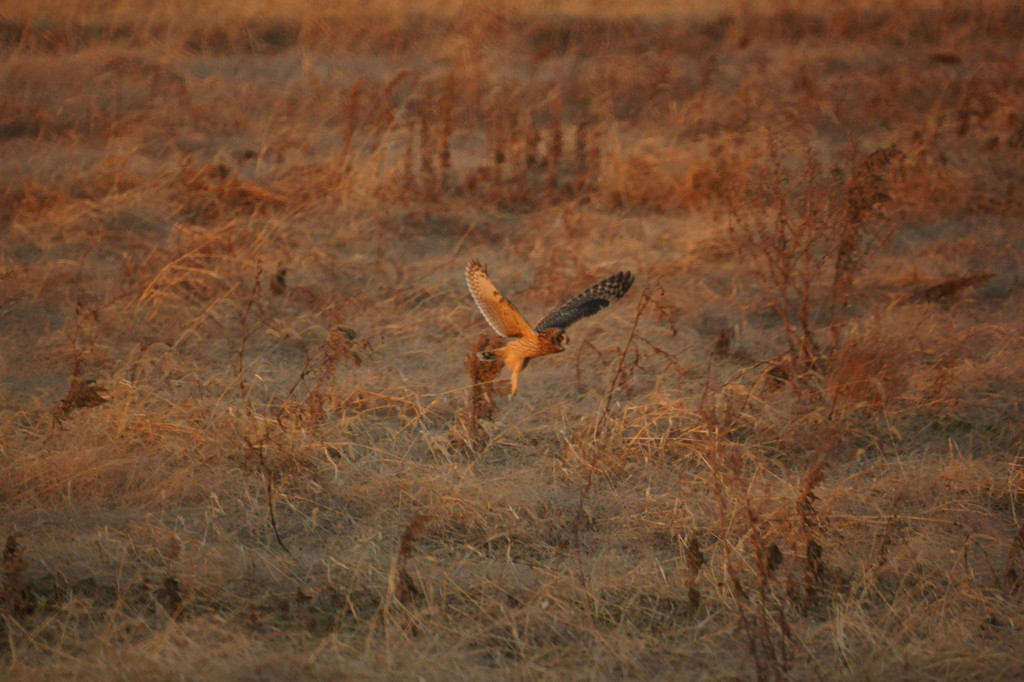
(767, 651)
(482, 390)
(255, 447)
(14, 603)
(620, 367)
(447, 129)
(770, 650)
(400, 584)
(350, 124)
(808, 515)
(554, 157)
(599, 430)
(14, 597)
(245, 334)
(400, 587)
(269, 480)
(82, 393)
(427, 144)
(762, 613)
(810, 238)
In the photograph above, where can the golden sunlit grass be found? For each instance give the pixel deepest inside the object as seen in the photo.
(243, 431)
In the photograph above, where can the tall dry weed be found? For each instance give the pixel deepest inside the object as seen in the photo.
(806, 233)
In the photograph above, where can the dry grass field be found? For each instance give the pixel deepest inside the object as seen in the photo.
(241, 432)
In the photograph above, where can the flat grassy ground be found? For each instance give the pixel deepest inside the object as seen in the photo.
(239, 437)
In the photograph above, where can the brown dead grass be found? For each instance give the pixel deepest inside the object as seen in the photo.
(242, 432)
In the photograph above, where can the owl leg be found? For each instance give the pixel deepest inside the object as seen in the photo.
(516, 366)
(493, 355)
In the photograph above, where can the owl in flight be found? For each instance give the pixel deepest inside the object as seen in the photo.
(549, 335)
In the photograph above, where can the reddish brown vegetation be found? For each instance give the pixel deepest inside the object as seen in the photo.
(244, 430)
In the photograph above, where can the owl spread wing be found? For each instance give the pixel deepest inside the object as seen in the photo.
(595, 299)
(498, 310)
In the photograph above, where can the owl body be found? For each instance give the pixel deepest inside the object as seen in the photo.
(549, 336)
(518, 352)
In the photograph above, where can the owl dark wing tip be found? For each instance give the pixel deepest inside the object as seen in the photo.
(591, 301)
(616, 286)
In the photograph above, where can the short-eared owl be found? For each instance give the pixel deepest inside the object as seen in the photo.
(549, 335)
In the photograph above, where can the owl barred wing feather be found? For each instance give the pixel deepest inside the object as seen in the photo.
(498, 310)
(595, 299)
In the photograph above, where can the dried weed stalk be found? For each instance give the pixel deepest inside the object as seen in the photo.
(761, 616)
(255, 447)
(526, 161)
(317, 377)
(400, 589)
(15, 599)
(806, 233)
(170, 596)
(768, 587)
(948, 288)
(350, 125)
(694, 561)
(82, 393)
(482, 405)
(401, 586)
(627, 363)
(1013, 573)
(623, 369)
(554, 155)
(808, 530)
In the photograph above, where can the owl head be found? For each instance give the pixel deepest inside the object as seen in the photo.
(557, 337)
